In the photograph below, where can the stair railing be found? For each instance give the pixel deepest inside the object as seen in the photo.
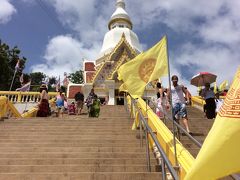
(7, 109)
(148, 131)
(195, 141)
(169, 118)
(22, 97)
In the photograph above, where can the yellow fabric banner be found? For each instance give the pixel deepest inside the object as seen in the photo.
(219, 155)
(123, 88)
(223, 85)
(144, 68)
(215, 87)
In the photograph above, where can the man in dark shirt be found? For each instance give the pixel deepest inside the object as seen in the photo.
(79, 98)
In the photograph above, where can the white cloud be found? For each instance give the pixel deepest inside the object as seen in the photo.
(212, 28)
(6, 11)
(199, 58)
(89, 20)
(64, 54)
(221, 30)
(213, 25)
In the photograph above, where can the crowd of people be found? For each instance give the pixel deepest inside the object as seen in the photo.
(179, 96)
(62, 105)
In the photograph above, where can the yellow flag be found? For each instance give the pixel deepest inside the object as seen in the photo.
(215, 87)
(199, 89)
(219, 155)
(144, 68)
(123, 88)
(223, 85)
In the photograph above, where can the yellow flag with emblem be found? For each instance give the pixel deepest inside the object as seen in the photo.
(223, 85)
(144, 68)
(219, 155)
(123, 88)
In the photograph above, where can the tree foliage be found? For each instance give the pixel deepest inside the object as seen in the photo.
(52, 84)
(8, 60)
(36, 80)
(52, 80)
(76, 77)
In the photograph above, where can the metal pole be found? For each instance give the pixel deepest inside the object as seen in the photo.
(164, 156)
(13, 80)
(132, 104)
(27, 100)
(140, 133)
(163, 169)
(147, 151)
(173, 125)
(125, 103)
(12, 83)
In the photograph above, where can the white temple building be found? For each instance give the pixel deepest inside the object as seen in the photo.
(120, 45)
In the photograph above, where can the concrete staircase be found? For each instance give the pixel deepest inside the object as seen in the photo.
(73, 147)
(199, 126)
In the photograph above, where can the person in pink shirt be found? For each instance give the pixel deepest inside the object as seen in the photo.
(71, 109)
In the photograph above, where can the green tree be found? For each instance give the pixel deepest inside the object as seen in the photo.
(51, 84)
(8, 59)
(36, 80)
(76, 77)
(52, 80)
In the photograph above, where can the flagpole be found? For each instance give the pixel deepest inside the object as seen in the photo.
(170, 94)
(12, 83)
(26, 98)
(13, 80)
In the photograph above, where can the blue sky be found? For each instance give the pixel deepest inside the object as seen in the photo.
(55, 35)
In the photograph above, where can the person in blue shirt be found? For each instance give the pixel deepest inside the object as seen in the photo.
(60, 104)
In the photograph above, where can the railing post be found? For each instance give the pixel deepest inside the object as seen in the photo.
(19, 97)
(147, 149)
(163, 169)
(131, 108)
(140, 133)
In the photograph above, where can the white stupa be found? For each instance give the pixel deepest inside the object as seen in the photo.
(119, 23)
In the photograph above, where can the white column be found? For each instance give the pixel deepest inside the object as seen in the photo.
(87, 89)
(110, 85)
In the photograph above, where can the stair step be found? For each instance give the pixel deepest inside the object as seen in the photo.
(83, 176)
(73, 141)
(73, 155)
(71, 149)
(68, 137)
(69, 144)
(72, 161)
(71, 168)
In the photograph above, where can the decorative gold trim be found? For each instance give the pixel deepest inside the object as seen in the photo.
(97, 73)
(122, 42)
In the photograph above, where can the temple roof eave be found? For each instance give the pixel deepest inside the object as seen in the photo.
(122, 42)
